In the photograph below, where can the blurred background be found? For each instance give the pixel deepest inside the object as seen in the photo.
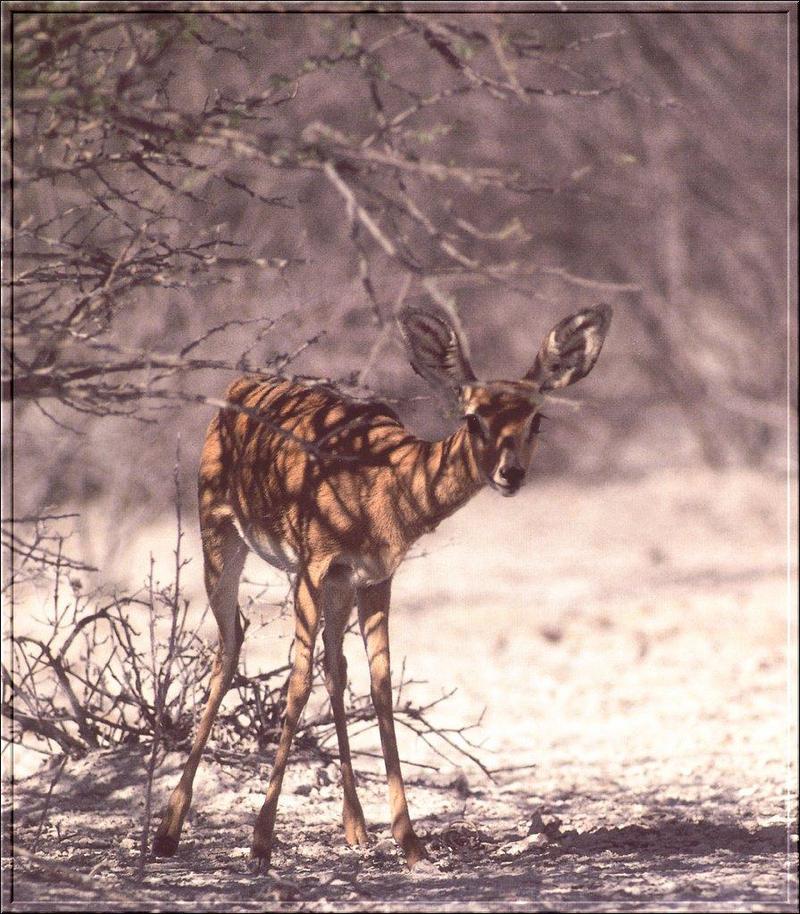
(174, 172)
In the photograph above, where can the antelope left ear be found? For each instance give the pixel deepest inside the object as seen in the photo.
(570, 350)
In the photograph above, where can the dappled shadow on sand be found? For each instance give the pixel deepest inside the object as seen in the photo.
(484, 863)
(492, 847)
(676, 835)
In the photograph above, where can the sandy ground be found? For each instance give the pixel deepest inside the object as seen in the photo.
(628, 643)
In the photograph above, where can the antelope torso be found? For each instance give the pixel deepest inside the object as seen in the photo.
(315, 479)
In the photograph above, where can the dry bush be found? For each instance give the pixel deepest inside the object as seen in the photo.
(121, 669)
(91, 678)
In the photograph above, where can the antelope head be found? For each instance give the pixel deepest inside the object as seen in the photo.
(502, 417)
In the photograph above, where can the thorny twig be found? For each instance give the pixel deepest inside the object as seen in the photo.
(162, 671)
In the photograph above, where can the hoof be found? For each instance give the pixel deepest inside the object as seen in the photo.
(258, 865)
(415, 853)
(356, 834)
(164, 845)
(260, 854)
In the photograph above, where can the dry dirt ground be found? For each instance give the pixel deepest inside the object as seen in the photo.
(629, 643)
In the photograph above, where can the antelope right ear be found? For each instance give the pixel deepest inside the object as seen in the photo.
(570, 350)
(435, 349)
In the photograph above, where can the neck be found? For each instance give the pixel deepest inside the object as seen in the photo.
(450, 477)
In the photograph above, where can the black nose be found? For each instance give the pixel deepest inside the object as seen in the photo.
(512, 475)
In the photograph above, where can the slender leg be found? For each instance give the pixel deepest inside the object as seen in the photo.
(306, 625)
(337, 603)
(373, 617)
(224, 554)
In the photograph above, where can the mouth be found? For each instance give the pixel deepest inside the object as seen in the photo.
(505, 489)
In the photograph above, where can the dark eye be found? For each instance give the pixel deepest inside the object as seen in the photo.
(475, 426)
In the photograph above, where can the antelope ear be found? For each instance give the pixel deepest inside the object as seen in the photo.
(570, 350)
(435, 349)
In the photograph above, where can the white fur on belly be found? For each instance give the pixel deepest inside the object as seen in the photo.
(268, 548)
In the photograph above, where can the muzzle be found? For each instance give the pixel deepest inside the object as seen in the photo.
(508, 477)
